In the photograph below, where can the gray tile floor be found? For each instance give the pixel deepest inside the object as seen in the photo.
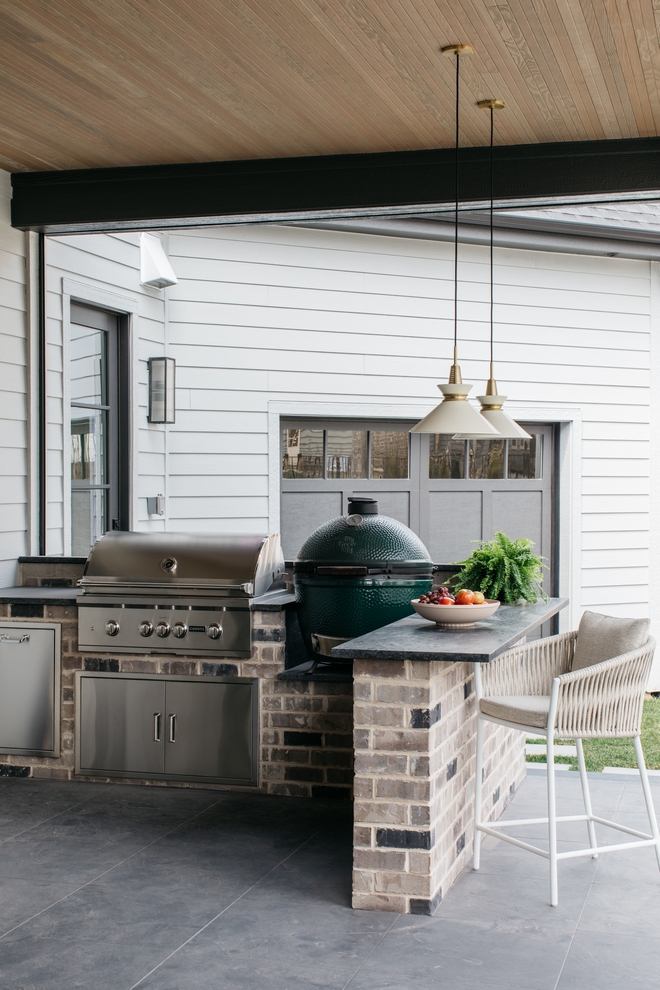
(108, 887)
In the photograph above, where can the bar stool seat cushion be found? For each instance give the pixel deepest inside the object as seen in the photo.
(524, 709)
(602, 637)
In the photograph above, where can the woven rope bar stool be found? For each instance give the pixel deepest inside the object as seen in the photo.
(561, 690)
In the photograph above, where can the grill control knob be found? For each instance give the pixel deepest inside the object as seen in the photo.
(179, 629)
(146, 628)
(214, 631)
(163, 629)
(112, 627)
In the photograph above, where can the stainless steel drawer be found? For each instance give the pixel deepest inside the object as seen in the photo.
(30, 688)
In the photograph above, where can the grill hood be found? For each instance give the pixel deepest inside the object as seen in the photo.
(243, 565)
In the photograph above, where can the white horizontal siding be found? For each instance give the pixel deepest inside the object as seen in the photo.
(264, 313)
(324, 316)
(112, 263)
(13, 391)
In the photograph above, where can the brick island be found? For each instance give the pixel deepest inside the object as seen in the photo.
(414, 739)
(407, 716)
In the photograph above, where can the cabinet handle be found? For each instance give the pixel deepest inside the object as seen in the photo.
(7, 639)
(172, 728)
(156, 726)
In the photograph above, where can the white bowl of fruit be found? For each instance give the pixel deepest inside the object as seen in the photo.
(465, 608)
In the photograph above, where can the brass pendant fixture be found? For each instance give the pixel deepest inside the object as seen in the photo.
(455, 414)
(491, 402)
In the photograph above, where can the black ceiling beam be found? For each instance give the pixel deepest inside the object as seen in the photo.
(161, 196)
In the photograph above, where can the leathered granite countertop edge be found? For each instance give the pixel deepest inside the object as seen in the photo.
(411, 638)
(274, 601)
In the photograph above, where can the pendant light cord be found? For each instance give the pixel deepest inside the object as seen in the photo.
(492, 131)
(456, 140)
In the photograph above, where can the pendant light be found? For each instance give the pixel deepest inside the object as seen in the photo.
(491, 402)
(455, 414)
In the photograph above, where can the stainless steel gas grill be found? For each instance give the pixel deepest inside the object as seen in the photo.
(177, 593)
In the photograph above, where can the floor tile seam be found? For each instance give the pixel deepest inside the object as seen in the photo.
(65, 811)
(77, 940)
(369, 954)
(229, 906)
(93, 879)
(616, 934)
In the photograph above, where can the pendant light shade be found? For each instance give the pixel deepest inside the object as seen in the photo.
(455, 414)
(492, 412)
(491, 402)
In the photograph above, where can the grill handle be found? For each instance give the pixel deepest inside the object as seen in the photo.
(25, 638)
(172, 735)
(156, 726)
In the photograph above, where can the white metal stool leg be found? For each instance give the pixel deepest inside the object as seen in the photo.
(478, 788)
(586, 796)
(552, 820)
(648, 797)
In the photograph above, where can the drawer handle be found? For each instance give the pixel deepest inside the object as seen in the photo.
(156, 726)
(172, 728)
(7, 639)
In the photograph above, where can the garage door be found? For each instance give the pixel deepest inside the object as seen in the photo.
(449, 492)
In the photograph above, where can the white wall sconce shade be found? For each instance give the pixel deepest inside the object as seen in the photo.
(155, 268)
(162, 373)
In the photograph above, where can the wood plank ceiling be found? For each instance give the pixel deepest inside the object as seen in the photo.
(88, 83)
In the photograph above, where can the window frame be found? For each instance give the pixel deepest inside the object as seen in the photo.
(329, 423)
(116, 326)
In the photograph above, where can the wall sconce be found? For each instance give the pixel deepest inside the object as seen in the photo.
(161, 390)
(156, 505)
(155, 268)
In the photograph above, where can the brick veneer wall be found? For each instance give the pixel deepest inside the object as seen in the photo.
(306, 726)
(415, 735)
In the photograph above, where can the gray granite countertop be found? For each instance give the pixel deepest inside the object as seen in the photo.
(414, 638)
(38, 596)
(274, 601)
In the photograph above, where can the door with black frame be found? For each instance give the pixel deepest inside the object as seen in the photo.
(449, 492)
(98, 384)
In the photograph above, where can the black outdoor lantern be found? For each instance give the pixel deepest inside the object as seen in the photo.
(162, 372)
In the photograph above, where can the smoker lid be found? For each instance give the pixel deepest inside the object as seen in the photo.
(359, 539)
(210, 560)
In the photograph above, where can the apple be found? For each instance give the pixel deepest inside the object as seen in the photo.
(479, 598)
(465, 597)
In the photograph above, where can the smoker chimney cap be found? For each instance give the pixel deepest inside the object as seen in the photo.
(362, 506)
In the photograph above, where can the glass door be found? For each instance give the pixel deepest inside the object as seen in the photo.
(93, 389)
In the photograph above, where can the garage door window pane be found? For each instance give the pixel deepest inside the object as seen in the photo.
(346, 454)
(526, 457)
(302, 453)
(486, 459)
(446, 457)
(389, 454)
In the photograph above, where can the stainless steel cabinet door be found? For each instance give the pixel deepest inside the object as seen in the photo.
(121, 724)
(209, 730)
(29, 677)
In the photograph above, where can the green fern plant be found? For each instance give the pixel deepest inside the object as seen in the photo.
(503, 569)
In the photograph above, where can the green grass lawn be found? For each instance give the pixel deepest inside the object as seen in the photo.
(599, 753)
